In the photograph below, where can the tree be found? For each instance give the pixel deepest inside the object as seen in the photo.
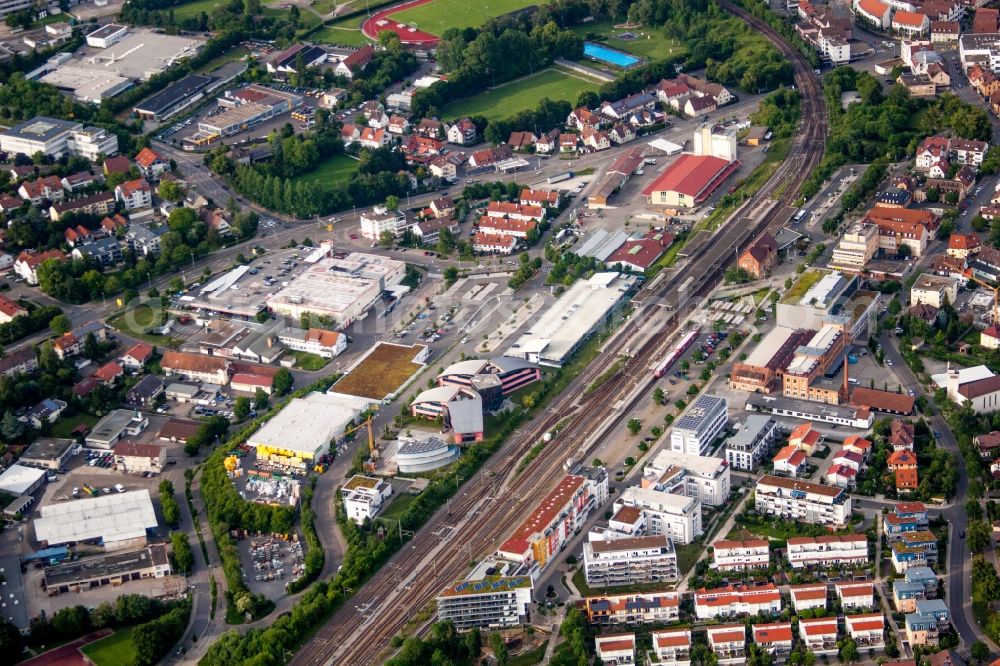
(10, 427)
(386, 239)
(170, 191)
(980, 652)
(91, 347)
(392, 202)
(60, 324)
(283, 381)
(977, 536)
(848, 652)
(904, 251)
(756, 656)
(634, 426)
(241, 409)
(183, 556)
(11, 643)
(659, 397)
(260, 399)
(499, 647)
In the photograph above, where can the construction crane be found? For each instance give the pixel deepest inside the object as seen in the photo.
(372, 451)
(996, 296)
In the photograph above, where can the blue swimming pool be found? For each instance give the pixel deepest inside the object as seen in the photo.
(609, 55)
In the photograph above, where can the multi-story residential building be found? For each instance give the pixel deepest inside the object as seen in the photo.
(363, 496)
(905, 595)
(700, 425)
(381, 220)
(748, 447)
(903, 556)
(46, 188)
(488, 603)
(774, 638)
(630, 560)
(616, 649)
(729, 643)
(741, 555)
(733, 601)
(856, 248)
(659, 607)
(802, 501)
(676, 516)
(859, 595)
(901, 226)
(197, 367)
(934, 290)
(819, 635)
(904, 517)
(926, 577)
(867, 630)
(672, 646)
(808, 595)
(962, 151)
(923, 626)
(701, 477)
(92, 142)
(825, 551)
(135, 194)
(554, 521)
(789, 461)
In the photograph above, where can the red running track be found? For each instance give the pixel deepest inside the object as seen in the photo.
(407, 35)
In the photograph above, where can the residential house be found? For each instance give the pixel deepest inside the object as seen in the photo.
(144, 239)
(137, 356)
(9, 310)
(109, 373)
(463, 133)
(583, 118)
(81, 180)
(728, 642)
(196, 367)
(621, 133)
(855, 595)
(486, 243)
(145, 391)
(521, 141)
(398, 125)
(595, 140)
(789, 460)
(819, 635)
(355, 62)
(758, 259)
(135, 194)
(373, 139)
(903, 464)
(118, 164)
(46, 188)
(774, 638)
(27, 263)
(104, 251)
(695, 107)
(547, 143)
(808, 595)
(151, 164)
(431, 128)
(318, 341)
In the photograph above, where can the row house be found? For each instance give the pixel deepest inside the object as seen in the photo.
(905, 595)
(833, 550)
(859, 595)
(541, 198)
(733, 601)
(615, 649)
(728, 642)
(924, 576)
(515, 211)
(489, 156)
(867, 630)
(819, 635)
(672, 646)
(808, 595)
(904, 556)
(98, 203)
(503, 226)
(621, 109)
(774, 639)
(742, 555)
(658, 607)
(485, 243)
(595, 140)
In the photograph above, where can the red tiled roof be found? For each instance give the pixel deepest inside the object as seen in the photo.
(510, 208)
(34, 259)
(772, 633)
(131, 186)
(506, 224)
(185, 361)
(911, 19)
(140, 351)
(883, 401)
(909, 507)
(903, 457)
(690, 175)
(9, 307)
(907, 479)
(873, 7)
(109, 371)
(147, 157)
(253, 380)
(672, 640)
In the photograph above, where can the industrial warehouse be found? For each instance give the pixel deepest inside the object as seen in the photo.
(117, 521)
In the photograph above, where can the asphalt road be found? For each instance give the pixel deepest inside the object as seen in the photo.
(958, 576)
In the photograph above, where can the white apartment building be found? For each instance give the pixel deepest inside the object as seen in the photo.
(855, 595)
(616, 649)
(676, 516)
(729, 643)
(381, 220)
(809, 595)
(630, 560)
(135, 194)
(819, 635)
(363, 497)
(90, 142)
(700, 425)
(801, 501)
(732, 601)
(704, 478)
(741, 555)
(856, 247)
(933, 290)
(826, 551)
(39, 135)
(976, 47)
(748, 447)
(489, 603)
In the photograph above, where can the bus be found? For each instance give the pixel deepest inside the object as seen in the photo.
(798, 216)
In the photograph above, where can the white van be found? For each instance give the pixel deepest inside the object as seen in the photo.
(119, 488)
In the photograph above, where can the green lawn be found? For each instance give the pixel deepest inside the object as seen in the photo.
(529, 658)
(653, 43)
(437, 16)
(191, 10)
(307, 361)
(63, 428)
(521, 94)
(345, 32)
(324, 6)
(115, 650)
(220, 60)
(333, 171)
(398, 506)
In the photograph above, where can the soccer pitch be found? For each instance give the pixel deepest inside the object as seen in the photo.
(437, 16)
(524, 93)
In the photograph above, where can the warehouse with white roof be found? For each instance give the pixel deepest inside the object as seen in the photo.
(568, 322)
(118, 521)
(303, 430)
(21, 479)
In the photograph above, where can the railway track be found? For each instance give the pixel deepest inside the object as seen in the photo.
(484, 512)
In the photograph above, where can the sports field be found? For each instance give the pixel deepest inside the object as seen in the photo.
(333, 171)
(438, 15)
(345, 32)
(114, 650)
(524, 93)
(192, 9)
